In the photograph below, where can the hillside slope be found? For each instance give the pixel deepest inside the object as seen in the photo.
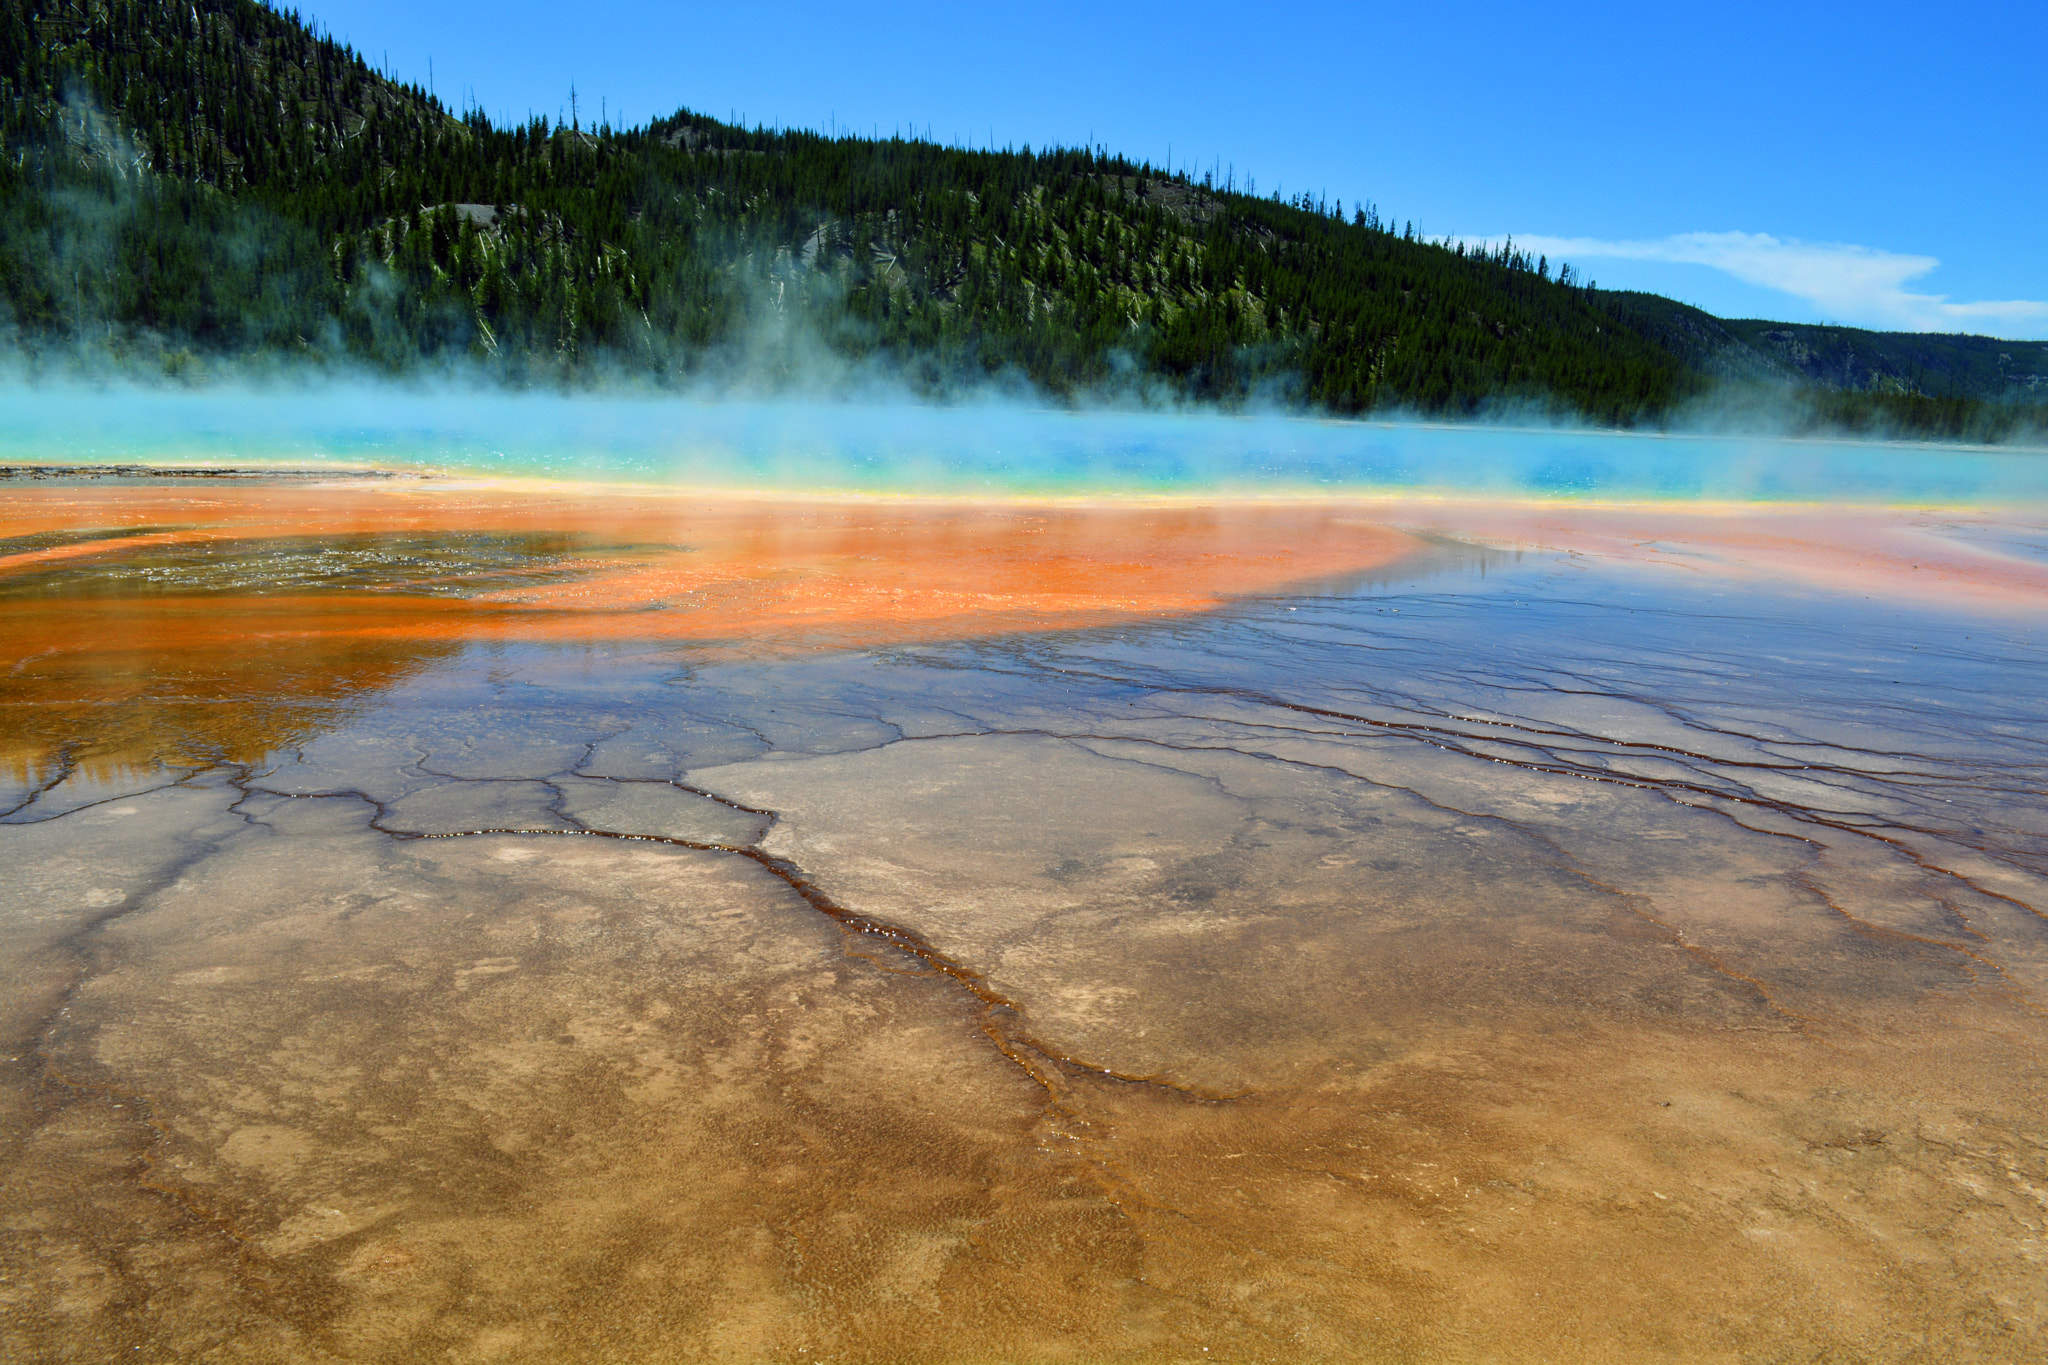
(1845, 359)
(210, 181)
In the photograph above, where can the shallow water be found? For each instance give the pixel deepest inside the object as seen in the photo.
(1464, 932)
(975, 449)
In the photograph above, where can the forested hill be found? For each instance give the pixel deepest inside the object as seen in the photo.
(210, 181)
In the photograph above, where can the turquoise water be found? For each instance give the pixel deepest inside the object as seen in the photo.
(979, 449)
(1518, 861)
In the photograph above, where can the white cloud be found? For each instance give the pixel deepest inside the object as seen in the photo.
(1857, 284)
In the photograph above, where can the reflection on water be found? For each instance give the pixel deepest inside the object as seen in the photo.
(2009, 537)
(160, 626)
(112, 689)
(1465, 956)
(147, 649)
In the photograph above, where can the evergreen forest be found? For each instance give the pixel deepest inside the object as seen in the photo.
(212, 185)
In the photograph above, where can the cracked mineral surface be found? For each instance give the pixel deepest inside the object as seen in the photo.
(478, 924)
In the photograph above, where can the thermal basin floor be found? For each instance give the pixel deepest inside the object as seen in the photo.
(470, 925)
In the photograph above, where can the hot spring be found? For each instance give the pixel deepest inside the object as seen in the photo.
(575, 879)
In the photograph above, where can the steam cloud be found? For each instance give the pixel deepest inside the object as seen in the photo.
(747, 412)
(987, 446)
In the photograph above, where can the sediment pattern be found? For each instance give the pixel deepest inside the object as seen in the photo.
(1541, 967)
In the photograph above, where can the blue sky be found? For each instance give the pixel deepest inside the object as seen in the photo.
(1881, 165)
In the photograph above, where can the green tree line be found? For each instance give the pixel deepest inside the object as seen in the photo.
(214, 181)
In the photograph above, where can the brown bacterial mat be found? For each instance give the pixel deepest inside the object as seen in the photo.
(499, 924)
